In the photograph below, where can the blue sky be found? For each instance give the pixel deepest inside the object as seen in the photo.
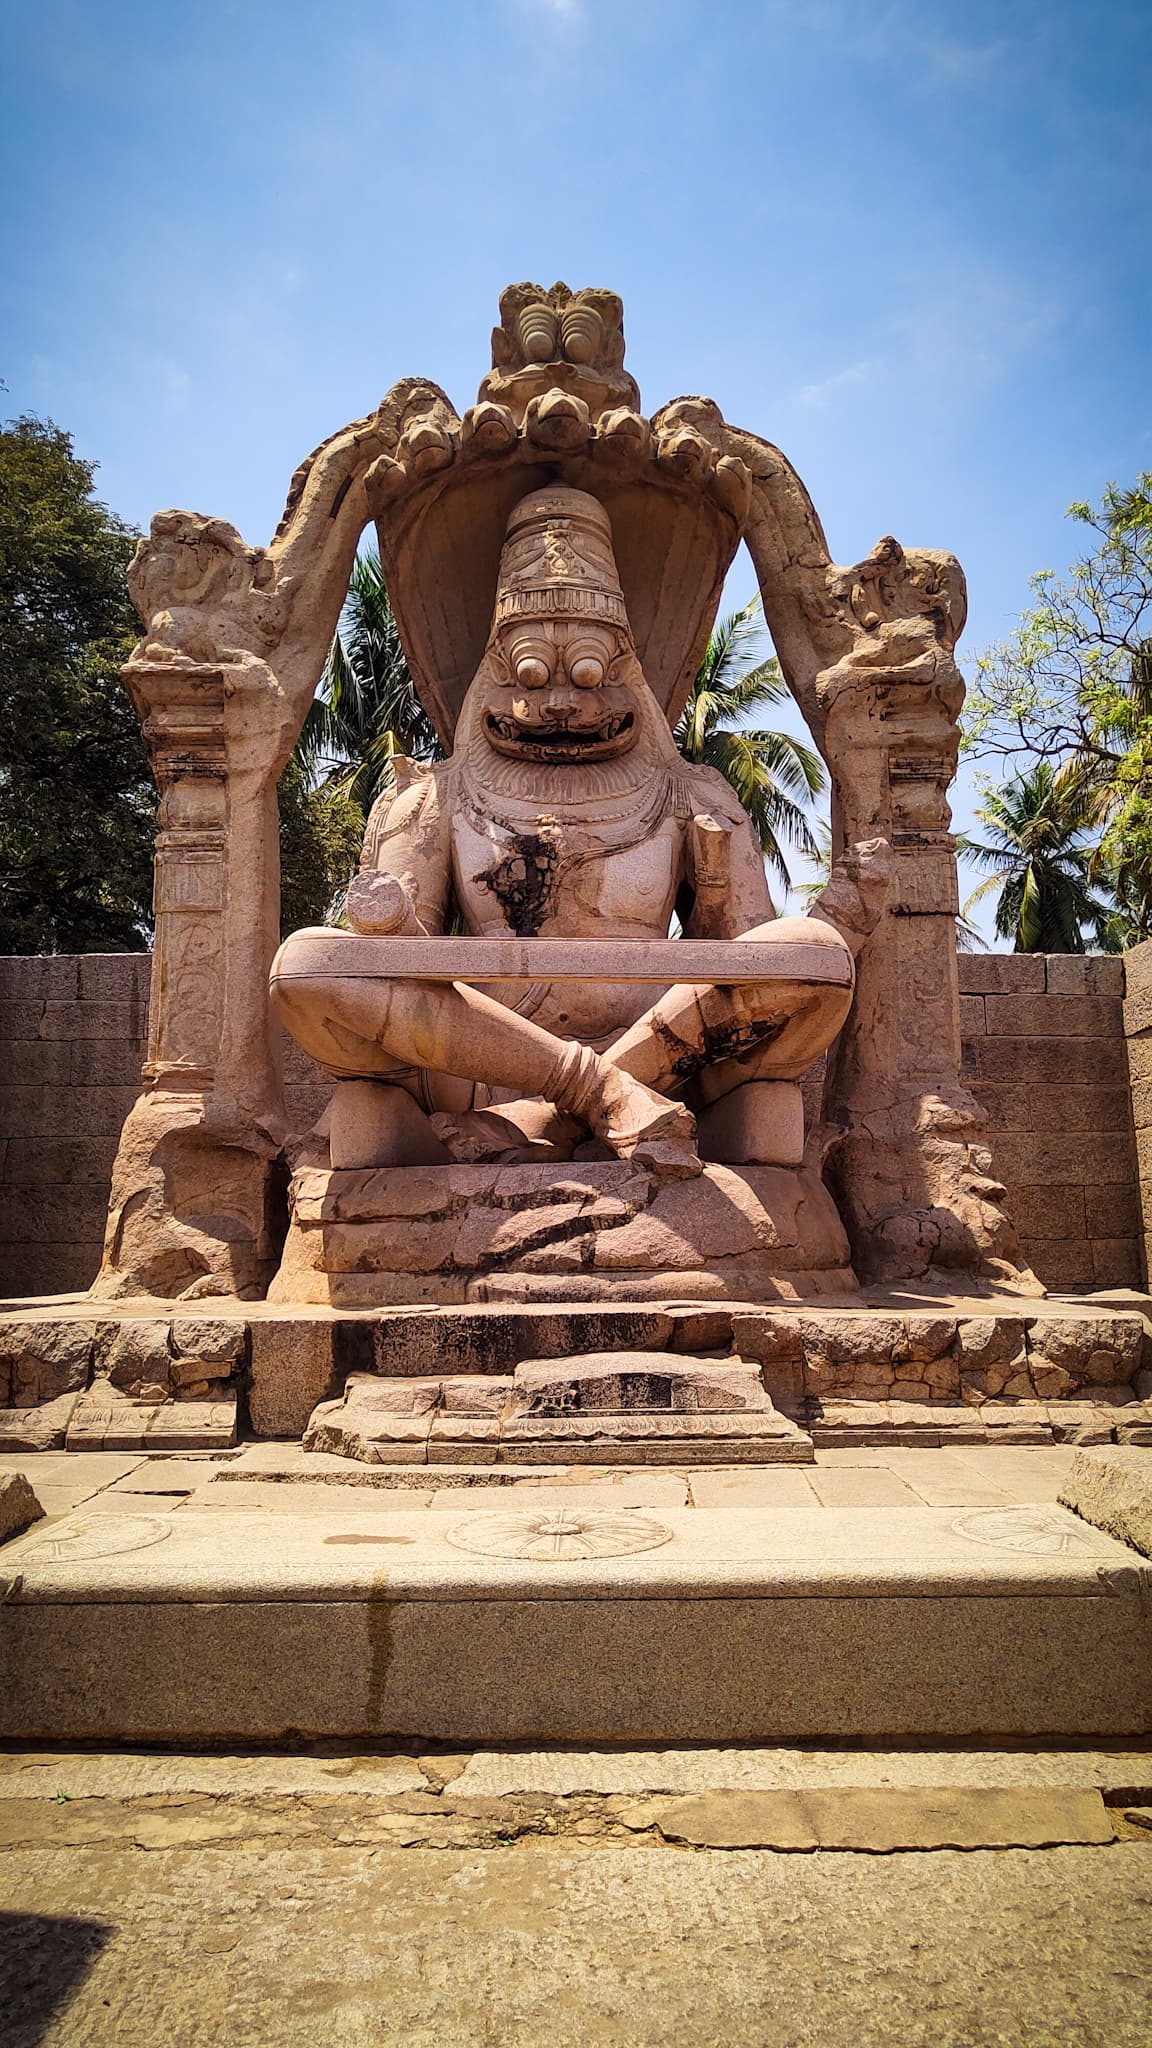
(908, 242)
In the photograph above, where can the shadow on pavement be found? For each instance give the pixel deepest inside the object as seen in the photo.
(44, 1959)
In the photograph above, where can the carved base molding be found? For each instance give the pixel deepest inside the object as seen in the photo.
(896, 1367)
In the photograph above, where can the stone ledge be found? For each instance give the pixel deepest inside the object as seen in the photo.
(654, 1406)
(930, 1425)
(733, 1625)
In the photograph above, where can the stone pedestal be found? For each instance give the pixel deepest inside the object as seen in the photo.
(374, 1237)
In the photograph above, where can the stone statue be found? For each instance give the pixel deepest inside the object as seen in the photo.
(564, 812)
(555, 560)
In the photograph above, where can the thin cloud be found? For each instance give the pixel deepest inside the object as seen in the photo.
(893, 37)
(961, 338)
(984, 323)
(949, 62)
(825, 392)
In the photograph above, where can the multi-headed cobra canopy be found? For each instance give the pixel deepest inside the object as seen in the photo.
(556, 408)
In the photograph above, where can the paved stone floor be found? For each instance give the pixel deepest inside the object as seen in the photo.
(968, 1476)
(515, 1897)
(217, 1923)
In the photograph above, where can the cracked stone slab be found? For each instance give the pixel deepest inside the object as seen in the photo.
(715, 1768)
(881, 1820)
(80, 1774)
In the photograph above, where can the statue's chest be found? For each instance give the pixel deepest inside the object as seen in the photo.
(545, 876)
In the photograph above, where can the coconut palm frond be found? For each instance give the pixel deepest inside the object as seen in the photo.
(367, 711)
(1039, 853)
(773, 774)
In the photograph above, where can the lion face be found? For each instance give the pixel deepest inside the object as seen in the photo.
(561, 690)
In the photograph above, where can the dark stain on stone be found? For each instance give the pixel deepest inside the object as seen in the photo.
(522, 882)
(731, 1041)
(378, 1622)
(369, 1539)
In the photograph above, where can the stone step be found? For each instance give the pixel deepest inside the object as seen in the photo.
(604, 1407)
(571, 1623)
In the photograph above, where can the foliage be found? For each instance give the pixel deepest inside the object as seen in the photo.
(366, 711)
(320, 835)
(772, 774)
(77, 802)
(365, 715)
(1038, 847)
(1075, 684)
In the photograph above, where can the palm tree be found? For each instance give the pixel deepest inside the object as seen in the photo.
(366, 712)
(1040, 825)
(773, 774)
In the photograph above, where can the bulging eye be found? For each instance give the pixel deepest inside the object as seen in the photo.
(588, 672)
(531, 672)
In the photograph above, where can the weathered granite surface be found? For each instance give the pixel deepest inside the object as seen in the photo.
(1070, 1371)
(1113, 1489)
(581, 1624)
(594, 1231)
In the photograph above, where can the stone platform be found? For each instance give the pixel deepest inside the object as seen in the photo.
(886, 1367)
(594, 1231)
(266, 1595)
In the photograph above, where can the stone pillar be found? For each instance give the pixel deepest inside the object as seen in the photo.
(234, 644)
(867, 652)
(908, 1161)
(197, 1191)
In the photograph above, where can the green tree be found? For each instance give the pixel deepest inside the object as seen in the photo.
(77, 802)
(1075, 684)
(773, 774)
(320, 835)
(1038, 847)
(366, 711)
(364, 716)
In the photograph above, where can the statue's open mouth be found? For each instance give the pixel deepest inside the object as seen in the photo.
(542, 742)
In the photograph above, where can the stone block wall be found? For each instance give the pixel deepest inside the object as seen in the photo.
(1138, 1032)
(1044, 1047)
(73, 1034)
(72, 1031)
(1044, 1054)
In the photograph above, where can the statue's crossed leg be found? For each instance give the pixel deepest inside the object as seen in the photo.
(700, 1038)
